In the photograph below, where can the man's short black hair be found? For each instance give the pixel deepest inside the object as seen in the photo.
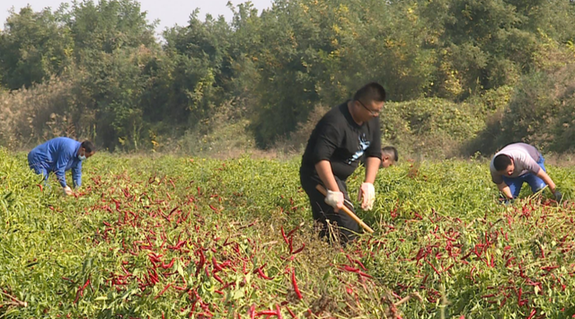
(501, 161)
(391, 150)
(370, 92)
(88, 146)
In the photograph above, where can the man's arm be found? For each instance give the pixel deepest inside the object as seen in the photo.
(334, 196)
(371, 168)
(60, 171)
(327, 141)
(77, 174)
(545, 177)
(505, 190)
(323, 169)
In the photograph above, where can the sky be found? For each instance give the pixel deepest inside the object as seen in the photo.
(169, 12)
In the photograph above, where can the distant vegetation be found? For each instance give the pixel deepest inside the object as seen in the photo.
(463, 76)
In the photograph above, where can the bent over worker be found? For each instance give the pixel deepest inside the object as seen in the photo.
(341, 138)
(389, 156)
(59, 155)
(519, 163)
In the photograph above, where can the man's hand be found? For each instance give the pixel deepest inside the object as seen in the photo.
(334, 199)
(68, 190)
(366, 195)
(505, 190)
(558, 195)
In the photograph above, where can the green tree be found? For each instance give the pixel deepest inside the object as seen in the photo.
(33, 47)
(200, 62)
(322, 51)
(108, 26)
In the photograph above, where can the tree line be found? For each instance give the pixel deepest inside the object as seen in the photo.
(97, 70)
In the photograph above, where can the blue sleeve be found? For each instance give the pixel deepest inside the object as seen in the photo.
(77, 174)
(66, 151)
(60, 169)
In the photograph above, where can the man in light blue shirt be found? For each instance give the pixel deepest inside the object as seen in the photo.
(519, 163)
(59, 155)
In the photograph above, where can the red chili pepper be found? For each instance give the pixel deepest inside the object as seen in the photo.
(292, 231)
(166, 266)
(80, 291)
(261, 273)
(201, 263)
(299, 250)
(360, 264)
(532, 314)
(217, 278)
(284, 235)
(163, 290)
(432, 266)
(259, 268)
(182, 288)
(350, 269)
(178, 245)
(154, 275)
(216, 266)
(295, 287)
(155, 258)
(291, 312)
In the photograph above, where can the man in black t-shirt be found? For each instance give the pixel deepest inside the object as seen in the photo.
(341, 138)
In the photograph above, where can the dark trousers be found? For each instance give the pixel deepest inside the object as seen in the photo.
(346, 228)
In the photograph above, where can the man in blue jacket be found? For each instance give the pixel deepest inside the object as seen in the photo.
(59, 155)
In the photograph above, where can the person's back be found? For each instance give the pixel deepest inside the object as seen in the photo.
(519, 163)
(525, 158)
(59, 155)
(51, 151)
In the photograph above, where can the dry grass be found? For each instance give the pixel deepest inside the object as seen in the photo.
(45, 111)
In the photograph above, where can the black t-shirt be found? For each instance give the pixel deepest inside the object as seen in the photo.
(340, 140)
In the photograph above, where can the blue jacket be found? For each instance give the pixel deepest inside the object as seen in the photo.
(58, 155)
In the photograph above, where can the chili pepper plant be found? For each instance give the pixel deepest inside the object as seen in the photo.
(181, 237)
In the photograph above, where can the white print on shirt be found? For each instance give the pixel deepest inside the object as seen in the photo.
(363, 145)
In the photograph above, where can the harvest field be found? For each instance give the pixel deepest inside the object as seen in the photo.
(181, 237)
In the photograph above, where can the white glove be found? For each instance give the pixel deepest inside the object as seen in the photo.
(334, 199)
(366, 195)
(68, 190)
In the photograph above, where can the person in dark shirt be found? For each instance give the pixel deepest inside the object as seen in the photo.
(336, 146)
